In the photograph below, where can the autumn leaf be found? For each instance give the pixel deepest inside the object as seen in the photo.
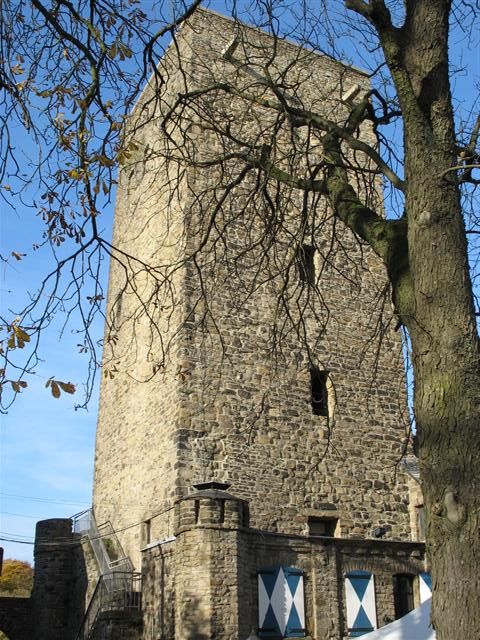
(55, 389)
(18, 70)
(17, 255)
(18, 385)
(112, 52)
(68, 387)
(75, 174)
(17, 338)
(57, 386)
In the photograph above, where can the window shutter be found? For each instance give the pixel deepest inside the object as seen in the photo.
(360, 601)
(425, 584)
(281, 608)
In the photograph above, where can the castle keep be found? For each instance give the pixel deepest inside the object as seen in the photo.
(252, 413)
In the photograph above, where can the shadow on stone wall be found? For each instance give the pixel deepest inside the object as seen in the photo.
(15, 618)
(191, 624)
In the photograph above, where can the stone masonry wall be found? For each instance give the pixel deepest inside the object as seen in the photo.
(136, 446)
(231, 401)
(60, 582)
(208, 575)
(248, 419)
(16, 618)
(158, 591)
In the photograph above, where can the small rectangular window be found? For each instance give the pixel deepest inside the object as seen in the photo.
(322, 527)
(306, 264)
(319, 392)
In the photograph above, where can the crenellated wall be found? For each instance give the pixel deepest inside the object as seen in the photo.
(204, 584)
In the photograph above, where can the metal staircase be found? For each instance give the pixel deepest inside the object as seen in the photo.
(117, 594)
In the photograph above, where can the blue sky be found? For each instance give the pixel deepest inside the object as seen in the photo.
(47, 448)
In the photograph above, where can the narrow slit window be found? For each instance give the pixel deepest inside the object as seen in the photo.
(319, 392)
(197, 511)
(147, 528)
(306, 264)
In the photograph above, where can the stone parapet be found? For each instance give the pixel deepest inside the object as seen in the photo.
(209, 577)
(58, 595)
(211, 506)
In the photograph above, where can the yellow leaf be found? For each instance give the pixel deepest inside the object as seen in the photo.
(21, 336)
(126, 50)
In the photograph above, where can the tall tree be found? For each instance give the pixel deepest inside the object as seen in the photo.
(89, 81)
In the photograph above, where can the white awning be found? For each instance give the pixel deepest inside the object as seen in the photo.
(414, 626)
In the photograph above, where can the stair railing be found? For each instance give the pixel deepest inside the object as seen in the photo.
(104, 543)
(117, 591)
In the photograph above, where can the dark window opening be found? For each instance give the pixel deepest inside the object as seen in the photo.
(319, 397)
(322, 527)
(245, 516)
(306, 264)
(221, 517)
(197, 511)
(147, 527)
(403, 594)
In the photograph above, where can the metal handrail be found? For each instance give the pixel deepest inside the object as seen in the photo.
(85, 523)
(116, 591)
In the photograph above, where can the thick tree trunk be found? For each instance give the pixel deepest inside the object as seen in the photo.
(438, 312)
(447, 404)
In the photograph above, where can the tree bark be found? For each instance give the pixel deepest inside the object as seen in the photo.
(439, 315)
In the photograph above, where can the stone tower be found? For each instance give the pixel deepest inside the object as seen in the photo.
(230, 358)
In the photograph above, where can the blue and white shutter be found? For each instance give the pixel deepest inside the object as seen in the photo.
(425, 584)
(281, 606)
(360, 600)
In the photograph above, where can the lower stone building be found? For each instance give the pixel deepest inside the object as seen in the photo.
(216, 578)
